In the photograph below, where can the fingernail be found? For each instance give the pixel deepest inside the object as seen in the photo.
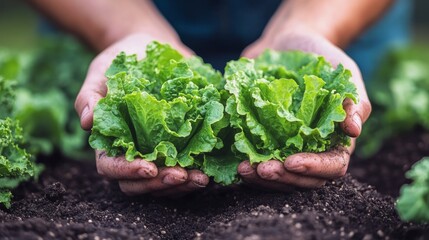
(172, 180)
(245, 169)
(245, 173)
(296, 168)
(357, 121)
(85, 112)
(198, 184)
(271, 176)
(145, 172)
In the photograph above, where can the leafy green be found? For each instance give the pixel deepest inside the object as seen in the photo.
(164, 108)
(8, 72)
(400, 99)
(413, 203)
(16, 164)
(44, 99)
(283, 103)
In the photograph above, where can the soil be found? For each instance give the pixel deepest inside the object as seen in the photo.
(385, 170)
(70, 201)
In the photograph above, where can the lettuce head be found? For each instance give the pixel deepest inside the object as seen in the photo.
(283, 103)
(163, 108)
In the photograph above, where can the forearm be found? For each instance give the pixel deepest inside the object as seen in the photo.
(101, 22)
(340, 21)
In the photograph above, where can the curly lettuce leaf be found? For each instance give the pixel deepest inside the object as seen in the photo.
(164, 108)
(9, 68)
(222, 168)
(286, 102)
(16, 164)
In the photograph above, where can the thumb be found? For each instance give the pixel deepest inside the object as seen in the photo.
(357, 114)
(254, 50)
(93, 89)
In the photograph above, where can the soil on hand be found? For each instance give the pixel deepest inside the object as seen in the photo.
(70, 201)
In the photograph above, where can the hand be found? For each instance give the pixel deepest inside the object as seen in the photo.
(139, 176)
(309, 170)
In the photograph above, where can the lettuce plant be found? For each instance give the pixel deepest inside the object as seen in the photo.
(413, 203)
(16, 165)
(45, 95)
(283, 103)
(400, 99)
(164, 108)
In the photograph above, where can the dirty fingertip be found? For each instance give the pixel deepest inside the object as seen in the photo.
(172, 179)
(200, 180)
(352, 125)
(245, 168)
(271, 170)
(296, 162)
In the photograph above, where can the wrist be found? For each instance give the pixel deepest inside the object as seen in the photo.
(300, 29)
(113, 34)
(296, 17)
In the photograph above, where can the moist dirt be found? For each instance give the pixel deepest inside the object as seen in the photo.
(71, 201)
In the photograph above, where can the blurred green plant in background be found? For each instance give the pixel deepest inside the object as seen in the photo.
(399, 93)
(48, 82)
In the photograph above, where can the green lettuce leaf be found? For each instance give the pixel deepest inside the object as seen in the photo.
(286, 102)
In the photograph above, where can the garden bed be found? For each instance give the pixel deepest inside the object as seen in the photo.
(70, 201)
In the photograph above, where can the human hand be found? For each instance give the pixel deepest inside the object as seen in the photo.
(309, 170)
(139, 176)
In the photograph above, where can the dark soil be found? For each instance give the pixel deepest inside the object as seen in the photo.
(71, 201)
(385, 170)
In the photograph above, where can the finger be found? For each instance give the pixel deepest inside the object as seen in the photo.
(93, 89)
(250, 52)
(255, 49)
(328, 165)
(168, 177)
(94, 86)
(357, 114)
(185, 51)
(196, 181)
(120, 168)
(275, 171)
(250, 176)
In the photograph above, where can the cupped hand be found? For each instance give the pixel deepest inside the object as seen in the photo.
(303, 170)
(309, 170)
(138, 176)
(141, 177)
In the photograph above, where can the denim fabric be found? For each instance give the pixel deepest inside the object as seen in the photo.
(218, 30)
(391, 31)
